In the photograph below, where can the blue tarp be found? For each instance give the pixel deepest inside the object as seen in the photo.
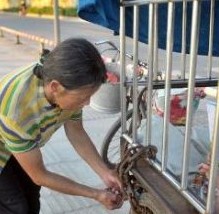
(106, 13)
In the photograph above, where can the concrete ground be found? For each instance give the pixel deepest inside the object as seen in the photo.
(58, 155)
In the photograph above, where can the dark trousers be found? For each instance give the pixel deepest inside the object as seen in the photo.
(18, 193)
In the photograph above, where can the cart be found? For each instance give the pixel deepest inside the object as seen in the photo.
(190, 28)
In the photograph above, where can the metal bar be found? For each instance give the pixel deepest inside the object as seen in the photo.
(155, 60)
(204, 82)
(193, 201)
(135, 80)
(122, 69)
(192, 73)
(170, 29)
(214, 161)
(186, 194)
(129, 139)
(150, 72)
(211, 33)
(143, 2)
(183, 52)
(173, 182)
(57, 35)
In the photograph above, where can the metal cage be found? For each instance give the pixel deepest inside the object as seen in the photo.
(152, 55)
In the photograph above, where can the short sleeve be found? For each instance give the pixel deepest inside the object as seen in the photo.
(76, 115)
(16, 140)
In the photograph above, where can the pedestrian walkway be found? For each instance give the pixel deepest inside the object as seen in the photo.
(58, 154)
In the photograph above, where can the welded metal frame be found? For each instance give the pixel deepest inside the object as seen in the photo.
(191, 82)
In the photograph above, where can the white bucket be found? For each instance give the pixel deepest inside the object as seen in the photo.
(107, 98)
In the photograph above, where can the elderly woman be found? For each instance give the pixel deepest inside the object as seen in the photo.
(35, 102)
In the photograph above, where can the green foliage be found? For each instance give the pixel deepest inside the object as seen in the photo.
(40, 11)
(12, 9)
(68, 11)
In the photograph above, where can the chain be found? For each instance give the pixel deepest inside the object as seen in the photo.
(132, 188)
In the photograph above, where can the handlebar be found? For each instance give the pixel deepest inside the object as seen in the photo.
(114, 47)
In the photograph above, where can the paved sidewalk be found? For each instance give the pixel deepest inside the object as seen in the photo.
(58, 154)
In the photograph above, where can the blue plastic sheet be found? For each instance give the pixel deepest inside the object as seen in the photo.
(106, 13)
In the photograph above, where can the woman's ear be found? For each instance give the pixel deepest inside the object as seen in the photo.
(56, 87)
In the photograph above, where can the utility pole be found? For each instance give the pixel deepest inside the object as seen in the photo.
(56, 21)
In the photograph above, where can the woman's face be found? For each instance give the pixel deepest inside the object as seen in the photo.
(72, 99)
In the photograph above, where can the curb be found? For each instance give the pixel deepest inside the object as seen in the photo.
(33, 15)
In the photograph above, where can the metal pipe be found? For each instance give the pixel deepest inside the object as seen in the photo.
(155, 60)
(192, 73)
(150, 72)
(193, 201)
(57, 35)
(211, 33)
(202, 82)
(122, 69)
(143, 2)
(183, 52)
(128, 139)
(170, 30)
(173, 182)
(135, 67)
(214, 161)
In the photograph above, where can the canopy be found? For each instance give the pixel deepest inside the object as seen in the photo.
(106, 13)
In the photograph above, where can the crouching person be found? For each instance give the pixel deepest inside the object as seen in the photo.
(34, 103)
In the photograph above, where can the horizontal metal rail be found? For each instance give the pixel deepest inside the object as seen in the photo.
(203, 82)
(143, 2)
(173, 182)
(185, 193)
(19, 34)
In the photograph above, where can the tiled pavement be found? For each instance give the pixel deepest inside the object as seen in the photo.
(58, 154)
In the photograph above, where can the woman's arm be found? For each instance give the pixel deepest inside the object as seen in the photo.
(33, 165)
(86, 149)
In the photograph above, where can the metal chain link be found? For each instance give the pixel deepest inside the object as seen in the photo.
(132, 188)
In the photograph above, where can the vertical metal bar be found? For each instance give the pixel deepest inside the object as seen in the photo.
(183, 52)
(169, 42)
(150, 71)
(56, 22)
(191, 84)
(214, 161)
(122, 68)
(155, 66)
(211, 33)
(135, 80)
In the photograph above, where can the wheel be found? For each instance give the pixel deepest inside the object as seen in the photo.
(111, 148)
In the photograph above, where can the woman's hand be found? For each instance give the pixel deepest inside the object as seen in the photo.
(112, 181)
(109, 199)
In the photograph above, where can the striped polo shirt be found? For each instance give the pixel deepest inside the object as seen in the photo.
(27, 119)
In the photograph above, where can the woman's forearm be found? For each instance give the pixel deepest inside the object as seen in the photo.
(85, 148)
(67, 186)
